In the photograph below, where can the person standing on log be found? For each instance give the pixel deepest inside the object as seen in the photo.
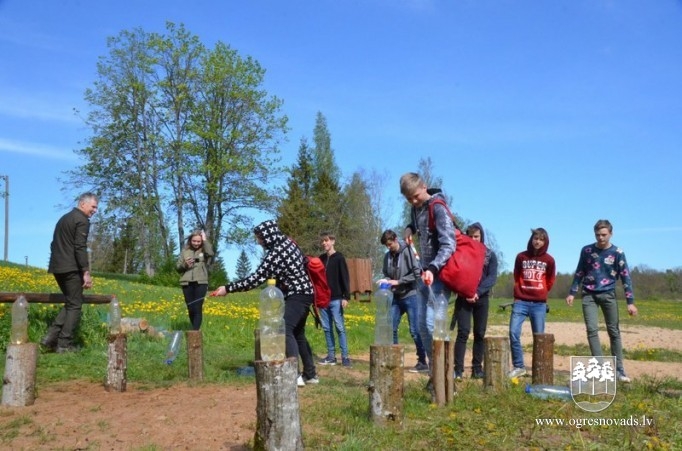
(285, 262)
(71, 269)
(403, 270)
(193, 264)
(534, 276)
(600, 266)
(338, 279)
(477, 307)
(436, 245)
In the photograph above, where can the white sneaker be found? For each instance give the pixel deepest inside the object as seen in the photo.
(623, 378)
(517, 372)
(300, 382)
(312, 380)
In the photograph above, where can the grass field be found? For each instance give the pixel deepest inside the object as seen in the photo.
(336, 417)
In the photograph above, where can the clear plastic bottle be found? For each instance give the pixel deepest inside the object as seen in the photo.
(383, 319)
(173, 347)
(114, 316)
(549, 392)
(271, 323)
(441, 331)
(19, 331)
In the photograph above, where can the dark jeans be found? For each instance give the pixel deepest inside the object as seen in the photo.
(194, 298)
(464, 311)
(410, 306)
(63, 328)
(296, 310)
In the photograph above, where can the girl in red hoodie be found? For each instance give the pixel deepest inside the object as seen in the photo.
(534, 275)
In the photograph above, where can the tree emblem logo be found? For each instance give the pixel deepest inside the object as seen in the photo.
(593, 382)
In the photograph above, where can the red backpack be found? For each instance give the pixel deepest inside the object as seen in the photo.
(318, 276)
(463, 271)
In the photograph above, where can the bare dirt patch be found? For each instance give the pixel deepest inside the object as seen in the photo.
(80, 415)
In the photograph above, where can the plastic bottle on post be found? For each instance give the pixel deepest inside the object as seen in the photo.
(19, 331)
(271, 323)
(114, 316)
(383, 320)
(440, 320)
(549, 392)
(173, 347)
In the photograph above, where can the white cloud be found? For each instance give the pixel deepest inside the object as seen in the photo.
(35, 149)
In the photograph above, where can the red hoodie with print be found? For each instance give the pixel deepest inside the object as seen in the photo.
(534, 273)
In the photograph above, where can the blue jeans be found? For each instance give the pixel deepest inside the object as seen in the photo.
(537, 312)
(409, 305)
(426, 312)
(592, 302)
(334, 313)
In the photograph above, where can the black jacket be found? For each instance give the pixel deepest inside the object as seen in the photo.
(338, 277)
(69, 248)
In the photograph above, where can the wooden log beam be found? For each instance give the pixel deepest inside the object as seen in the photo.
(55, 298)
(18, 386)
(195, 355)
(117, 368)
(496, 363)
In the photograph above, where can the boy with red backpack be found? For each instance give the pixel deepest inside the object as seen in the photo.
(436, 245)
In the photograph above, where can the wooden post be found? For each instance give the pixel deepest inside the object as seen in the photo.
(256, 340)
(386, 384)
(278, 423)
(18, 385)
(543, 359)
(496, 362)
(117, 368)
(450, 387)
(195, 355)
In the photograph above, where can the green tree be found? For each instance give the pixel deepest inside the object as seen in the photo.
(179, 127)
(243, 265)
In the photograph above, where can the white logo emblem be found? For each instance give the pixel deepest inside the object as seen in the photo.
(593, 382)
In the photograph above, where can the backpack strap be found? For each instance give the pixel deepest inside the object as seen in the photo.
(432, 221)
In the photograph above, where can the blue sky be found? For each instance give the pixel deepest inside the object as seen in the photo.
(535, 114)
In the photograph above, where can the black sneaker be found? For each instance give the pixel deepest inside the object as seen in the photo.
(47, 344)
(478, 374)
(419, 368)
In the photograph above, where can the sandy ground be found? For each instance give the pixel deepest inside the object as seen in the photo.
(80, 416)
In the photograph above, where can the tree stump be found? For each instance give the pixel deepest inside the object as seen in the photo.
(278, 423)
(543, 359)
(386, 384)
(195, 355)
(19, 383)
(442, 371)
(496, 361)
(117, 367)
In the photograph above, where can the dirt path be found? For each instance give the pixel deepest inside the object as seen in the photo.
(80, 415)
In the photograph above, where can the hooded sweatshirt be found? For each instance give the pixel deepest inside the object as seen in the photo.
(283, 261)
(436, 244)
(403, 267)
(534, 273)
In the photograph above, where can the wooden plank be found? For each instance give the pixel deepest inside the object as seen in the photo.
(55, 298)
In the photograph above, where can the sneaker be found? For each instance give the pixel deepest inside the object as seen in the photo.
(311, 381)
(345, 362)
(517, 372)
(48, 345)
(478, 374)
(458, 376)
(623, 378)
(420, 367)
(300, 382)
(328, 361)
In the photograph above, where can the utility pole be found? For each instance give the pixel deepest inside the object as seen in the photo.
(6, 177)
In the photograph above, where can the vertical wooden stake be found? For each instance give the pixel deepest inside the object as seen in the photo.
(118, 363)
(195, 355)
(450, 387)
(18, 385)
(386, 384)
(438, 372)
(496, 362)
(543, 359)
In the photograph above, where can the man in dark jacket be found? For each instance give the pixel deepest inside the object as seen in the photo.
(69, 265)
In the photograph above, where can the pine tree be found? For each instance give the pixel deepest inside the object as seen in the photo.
(243, 265)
